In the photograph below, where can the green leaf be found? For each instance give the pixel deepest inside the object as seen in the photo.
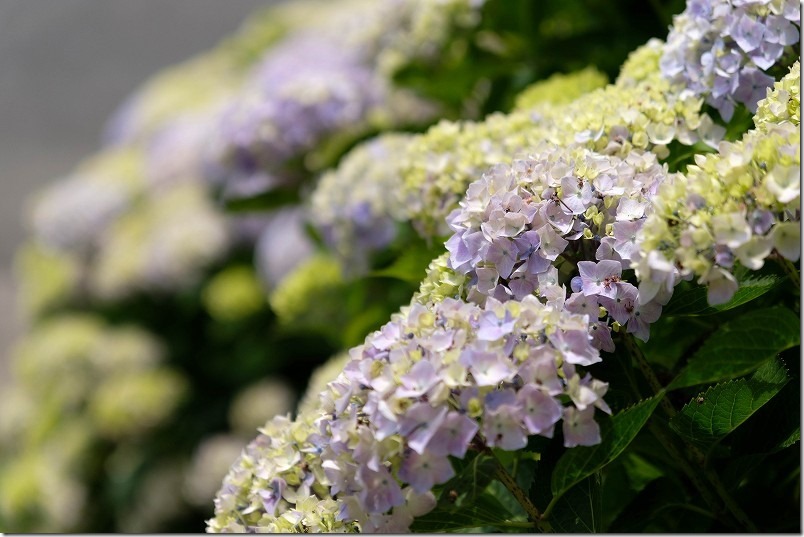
(410, 266)
(774, 427)
(623, 480)
(263, 202)
(705, 420)
(484, 510)
(671, 339)
(740, 346)
(472, 477)
(690, 299)
(581, 509)
(581, 462)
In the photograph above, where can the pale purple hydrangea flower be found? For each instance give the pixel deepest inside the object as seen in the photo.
(72, 214)
(411, 397)
(720, 49)
(304, 89)
(556, 206)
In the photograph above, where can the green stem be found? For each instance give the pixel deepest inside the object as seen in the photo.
(647, 371)
(520, 495)
(515, 524)
(791, 271)
(733, 507)
(549, 509)
(692, 473)
(688, 507)
(696, 454)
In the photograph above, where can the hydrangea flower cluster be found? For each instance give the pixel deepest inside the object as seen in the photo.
(68, 214)
(233, 294)
(178, 152)
(640, 65)
(46, 278)
(738, 205)
(441, 163)
(331, 78)
(558, 209)
(440, 282)
(720, 49)
(162, 243)
(179, 90)
(783, 102)
(357, 206)
(645, 114)
(304, 293)
(306, 88)
(200, 82)
(436, 381)
(561, 88)
(67, 363)
(283, 244)
(278, 484)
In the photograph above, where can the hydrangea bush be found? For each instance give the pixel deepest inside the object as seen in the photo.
(607, 258)
(592, 287)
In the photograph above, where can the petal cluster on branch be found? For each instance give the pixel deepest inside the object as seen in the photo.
(738, 205)
(556, 211)
(720, 49)
(357, 205)
(436, 381)
(641, 111)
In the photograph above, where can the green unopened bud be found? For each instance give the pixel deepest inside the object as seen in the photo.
(474, 407)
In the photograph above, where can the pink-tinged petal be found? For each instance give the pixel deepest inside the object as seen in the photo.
(423, 471)
(488, 368)
(420, 423)
(272, 494)
(492, 328)
(580, 427)
(575, 346)
(380, 491)
(421, 377)
(540, 411)
(721, 285)
(454, 435)
(502, 421)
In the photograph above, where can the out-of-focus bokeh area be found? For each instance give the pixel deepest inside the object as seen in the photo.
(177, 270)
(67, 65)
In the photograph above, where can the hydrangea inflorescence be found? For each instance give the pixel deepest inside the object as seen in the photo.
(553, 212)
(641, 110)
(69, 362)
(436, 381)
(738, 205)
(357, 205)
(332, 78)
(721, 49)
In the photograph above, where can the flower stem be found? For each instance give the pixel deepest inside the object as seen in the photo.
(520, 495)
(791, 271)
(661, 433)
(647, 371)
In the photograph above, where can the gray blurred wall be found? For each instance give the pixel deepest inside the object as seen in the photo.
(64, 67)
